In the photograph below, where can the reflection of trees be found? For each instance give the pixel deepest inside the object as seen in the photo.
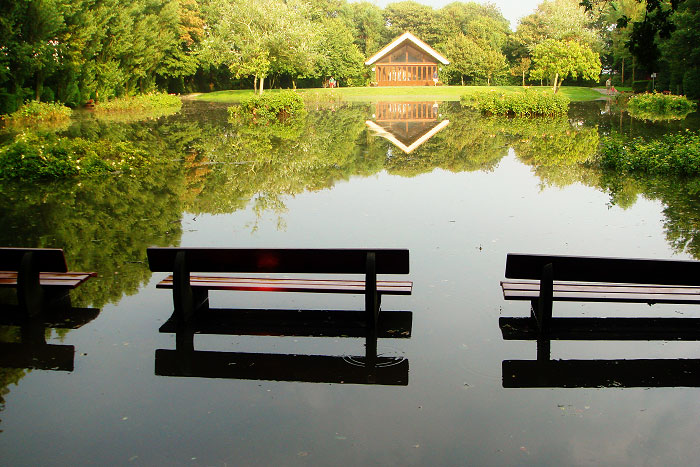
(464, 145)
(105, 224)
(681, 200)
(264, 162)
(556, 148)
(9, 376)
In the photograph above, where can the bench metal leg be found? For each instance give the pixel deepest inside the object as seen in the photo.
(372, 298)
(30, 295)
(185, 299)
(544, 348)
(542, 306)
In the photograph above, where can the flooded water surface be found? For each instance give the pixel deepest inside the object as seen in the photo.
(458, 190)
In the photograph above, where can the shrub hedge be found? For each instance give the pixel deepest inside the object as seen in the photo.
(528, 103)
(270, 107)
(34, 156)
(673, 153)
(38, 112)
(655, 106)
(143, 102)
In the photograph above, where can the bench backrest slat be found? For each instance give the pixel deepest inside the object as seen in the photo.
(45, 259)
(285, 261)
(594, 269)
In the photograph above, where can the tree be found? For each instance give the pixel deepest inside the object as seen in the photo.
(473, 20)
(260, 37)
(413, 17)
(559, 59)
(562, 20)
(368, 27)
(656, 24)
(338, 56)
(682, 50)
(474, 59)
(521, 67)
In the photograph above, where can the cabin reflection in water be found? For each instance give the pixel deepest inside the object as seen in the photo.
(407, 124)
(547, 373)
(370, 368)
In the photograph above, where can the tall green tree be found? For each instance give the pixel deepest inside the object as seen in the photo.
(681, 52)
(556, 60)
(260, 37)
(562, 20)
(368, 27)
(474, 59)
(418, 19)
(338, 56)
(647, 32)
(479, 21)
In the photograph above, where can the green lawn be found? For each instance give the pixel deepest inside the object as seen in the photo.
(398, 93)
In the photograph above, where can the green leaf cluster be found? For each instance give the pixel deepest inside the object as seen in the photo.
(37, 112)
(34, 156)
(556, 60)
(143, 102)
(674, 153)
(656, 106)
(270, 107)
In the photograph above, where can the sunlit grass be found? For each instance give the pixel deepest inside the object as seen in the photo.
(403, 93)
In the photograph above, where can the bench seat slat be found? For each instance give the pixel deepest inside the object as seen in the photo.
(290, 285)
(633, 293)
(598, 287)
(49, 279)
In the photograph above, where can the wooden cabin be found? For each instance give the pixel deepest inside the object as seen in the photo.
(408, 61)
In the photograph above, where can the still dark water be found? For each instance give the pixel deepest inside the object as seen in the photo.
(472, 191)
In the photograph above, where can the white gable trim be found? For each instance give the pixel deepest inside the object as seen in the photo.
(379, 131)
(410, 37)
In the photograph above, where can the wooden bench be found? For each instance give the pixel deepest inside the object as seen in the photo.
(40, 276)
(544, 279)
(191, 292)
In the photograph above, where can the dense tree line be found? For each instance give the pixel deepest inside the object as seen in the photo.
(71, 51)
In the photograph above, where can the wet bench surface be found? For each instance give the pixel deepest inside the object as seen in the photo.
(544, 279)
(190, 291)
(40, 276)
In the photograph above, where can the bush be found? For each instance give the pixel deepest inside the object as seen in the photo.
(37, 112)
(675, 153)
(527, 103)
(657, 106)
(135, 108)
(141, 103)
(270, 107)
(32, 156)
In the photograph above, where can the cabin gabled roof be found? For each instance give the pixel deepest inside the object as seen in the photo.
(407, 36)
(385, 133)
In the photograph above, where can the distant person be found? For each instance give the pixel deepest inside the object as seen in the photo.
(435, 77)
(608, 84)
(331, 82)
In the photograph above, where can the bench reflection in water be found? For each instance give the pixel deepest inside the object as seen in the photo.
(545, 279)
(369, 368)
(545, 372)
(32, 351)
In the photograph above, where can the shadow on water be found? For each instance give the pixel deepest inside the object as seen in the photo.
(371, 368)
(545, 372)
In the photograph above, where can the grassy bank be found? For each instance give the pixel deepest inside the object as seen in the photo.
(398, 93)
